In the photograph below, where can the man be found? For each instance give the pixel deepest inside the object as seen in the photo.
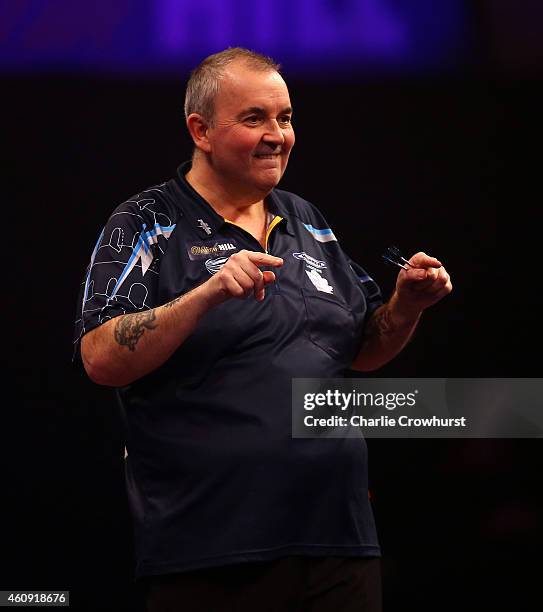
(204, 297)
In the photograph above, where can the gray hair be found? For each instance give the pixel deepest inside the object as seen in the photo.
(204, 81)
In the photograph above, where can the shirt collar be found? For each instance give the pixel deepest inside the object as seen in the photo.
(205, 221)
(276, 207)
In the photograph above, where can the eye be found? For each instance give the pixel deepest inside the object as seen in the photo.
(252, 120)
(285, 120)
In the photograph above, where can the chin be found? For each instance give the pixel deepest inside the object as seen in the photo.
(266, 187)
(269, 181)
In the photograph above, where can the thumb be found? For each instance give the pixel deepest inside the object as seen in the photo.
(269, 277)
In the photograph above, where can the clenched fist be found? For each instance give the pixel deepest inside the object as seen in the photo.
(424, 284)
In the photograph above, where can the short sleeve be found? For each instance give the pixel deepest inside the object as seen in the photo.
(122, 275)
(369, 287)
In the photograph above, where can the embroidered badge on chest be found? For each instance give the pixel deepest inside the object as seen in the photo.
(214, 265)
(310, 261)
(314, 271)
(315, 276)
(204, 226)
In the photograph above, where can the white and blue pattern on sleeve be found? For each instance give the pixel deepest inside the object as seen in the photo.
(123, 269)
(364, 278)
(143, 252)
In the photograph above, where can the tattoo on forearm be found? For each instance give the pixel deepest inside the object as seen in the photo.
(174, 301)
(380, 323)
(129, 329)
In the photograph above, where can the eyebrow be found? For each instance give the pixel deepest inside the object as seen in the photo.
(260, 111)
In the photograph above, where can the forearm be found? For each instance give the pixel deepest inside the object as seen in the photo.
(387, 332)
(130, 346)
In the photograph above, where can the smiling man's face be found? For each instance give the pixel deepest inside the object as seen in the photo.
(251, 136)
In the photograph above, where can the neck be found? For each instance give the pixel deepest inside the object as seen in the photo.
(230, 201)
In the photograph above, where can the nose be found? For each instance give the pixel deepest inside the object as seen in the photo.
(274, 134)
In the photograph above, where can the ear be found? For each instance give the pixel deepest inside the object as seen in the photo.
(198, 128)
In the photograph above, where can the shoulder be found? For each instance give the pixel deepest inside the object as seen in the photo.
(298, 207)
(147, 217)
(153, 206)
(306, 215)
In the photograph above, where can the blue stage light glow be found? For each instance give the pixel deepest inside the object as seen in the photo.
(164, 36)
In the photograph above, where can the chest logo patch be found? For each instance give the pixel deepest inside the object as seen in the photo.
(204, 226)
(314, 268)
(310, 261)
(204, 250)
(315, 276)
(214, 265)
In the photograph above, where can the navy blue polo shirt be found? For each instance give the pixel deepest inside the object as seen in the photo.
(214, 476)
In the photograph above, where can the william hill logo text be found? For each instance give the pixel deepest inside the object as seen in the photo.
(203, 250)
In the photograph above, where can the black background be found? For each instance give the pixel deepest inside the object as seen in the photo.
(419, 163)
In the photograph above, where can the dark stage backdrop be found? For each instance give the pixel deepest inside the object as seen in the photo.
(418, 163)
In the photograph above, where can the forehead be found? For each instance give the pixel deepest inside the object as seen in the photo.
(242, 86)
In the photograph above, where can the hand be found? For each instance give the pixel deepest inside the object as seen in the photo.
(422, 286)
(240, 276)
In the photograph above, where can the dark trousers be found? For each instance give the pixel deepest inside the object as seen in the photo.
(289, 584)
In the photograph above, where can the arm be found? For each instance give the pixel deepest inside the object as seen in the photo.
(130, 346)
(391, 326)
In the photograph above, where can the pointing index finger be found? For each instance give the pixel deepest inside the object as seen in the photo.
(263, 259)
